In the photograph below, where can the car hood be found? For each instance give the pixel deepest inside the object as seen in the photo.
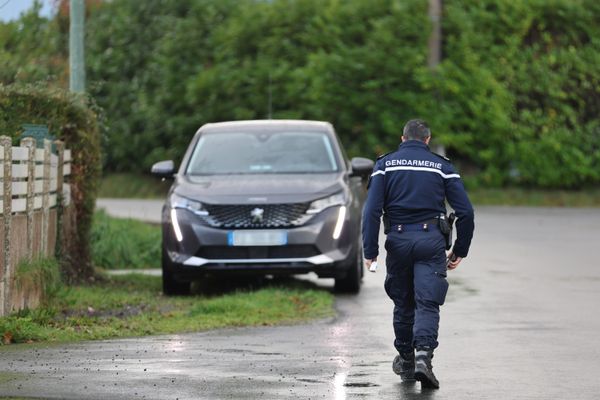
(261, 189)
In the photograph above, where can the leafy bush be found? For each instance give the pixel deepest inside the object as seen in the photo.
(32, 49)
(522, 82)
(515, 99)
(73, 119)
(145, 88)
(124, 243)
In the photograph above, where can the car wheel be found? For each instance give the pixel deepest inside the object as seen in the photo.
(351, 282)
(172, 287)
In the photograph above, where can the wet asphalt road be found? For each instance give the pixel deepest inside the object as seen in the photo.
(521, 322)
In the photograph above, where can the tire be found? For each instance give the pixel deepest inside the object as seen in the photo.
(172, 287)
(351, 282)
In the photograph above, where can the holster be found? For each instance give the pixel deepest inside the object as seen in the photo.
(387, 225)
(445, 224)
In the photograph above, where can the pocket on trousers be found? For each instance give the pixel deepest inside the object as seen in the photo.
(391, 287)
(440, 288)
(386, 284)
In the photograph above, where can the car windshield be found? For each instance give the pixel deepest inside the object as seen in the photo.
(262, 152)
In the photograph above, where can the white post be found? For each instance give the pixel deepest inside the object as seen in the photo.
(6, 143)
(46, 197)
(30, 144)
(60, 149)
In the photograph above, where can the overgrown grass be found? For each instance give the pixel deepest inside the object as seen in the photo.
(39, 273)
(134, 186)
(124, 243)
(132, 305)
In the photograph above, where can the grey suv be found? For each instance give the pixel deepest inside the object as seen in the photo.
(263, 197)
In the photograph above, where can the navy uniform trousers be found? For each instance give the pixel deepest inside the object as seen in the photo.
(416, 283)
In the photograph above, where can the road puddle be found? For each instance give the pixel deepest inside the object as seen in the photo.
(360, 384)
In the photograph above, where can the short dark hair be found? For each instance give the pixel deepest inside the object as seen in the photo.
(416, 129)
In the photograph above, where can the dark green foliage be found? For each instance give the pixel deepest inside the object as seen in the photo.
(124, 244)
(32, 50)
(74, 120)
(142, 57)
(516, 99)
(536, 65)
(165, 69)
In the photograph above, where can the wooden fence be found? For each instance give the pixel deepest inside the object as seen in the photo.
(33, 188)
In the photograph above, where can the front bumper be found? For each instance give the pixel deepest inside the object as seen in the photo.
(310, 247)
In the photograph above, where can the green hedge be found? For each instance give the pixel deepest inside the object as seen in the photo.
(521, 88)
(515, 99)
(74, 120)
(189, 62)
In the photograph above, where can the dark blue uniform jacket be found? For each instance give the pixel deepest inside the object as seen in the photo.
(411, 185)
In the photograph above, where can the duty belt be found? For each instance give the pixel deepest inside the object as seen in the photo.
(421, 226)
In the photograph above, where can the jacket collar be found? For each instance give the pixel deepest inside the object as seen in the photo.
(413, 144)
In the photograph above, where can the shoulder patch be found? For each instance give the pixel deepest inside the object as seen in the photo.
(441, 156)
(383, 155)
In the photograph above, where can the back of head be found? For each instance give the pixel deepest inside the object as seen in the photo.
(416, 129)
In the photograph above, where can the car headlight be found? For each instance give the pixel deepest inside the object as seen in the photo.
(338, 199)
(191, 205)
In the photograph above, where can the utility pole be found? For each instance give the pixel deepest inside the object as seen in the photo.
(435, 38)
(434, 55)
(270, 99)
(76, 52)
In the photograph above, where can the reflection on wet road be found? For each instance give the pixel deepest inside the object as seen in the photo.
(339, 386)
(520, 323)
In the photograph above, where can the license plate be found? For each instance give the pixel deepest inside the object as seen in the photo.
(257, 238)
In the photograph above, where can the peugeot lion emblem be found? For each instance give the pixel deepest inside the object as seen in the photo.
(257, 215)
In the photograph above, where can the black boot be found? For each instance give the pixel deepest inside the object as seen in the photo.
(424, 370)
(404, 365)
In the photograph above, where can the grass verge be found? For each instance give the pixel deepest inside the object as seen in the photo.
(132, 305)
(132, 186)
(124, 243)
(535, 197)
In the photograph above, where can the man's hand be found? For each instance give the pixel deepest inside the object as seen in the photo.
(369, 262)
(452, 261)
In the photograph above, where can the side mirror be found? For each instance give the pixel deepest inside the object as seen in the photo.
(361, 167)
(163, 169)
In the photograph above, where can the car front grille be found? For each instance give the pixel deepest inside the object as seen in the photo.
(256, 216)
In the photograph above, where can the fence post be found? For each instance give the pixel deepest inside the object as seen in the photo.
(30, 144)
(6, 143)
(46, 197)
(60, 149)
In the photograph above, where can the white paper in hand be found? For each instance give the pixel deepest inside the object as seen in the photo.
(373, 267)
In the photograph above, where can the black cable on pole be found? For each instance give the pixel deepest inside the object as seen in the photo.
(2, 6)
